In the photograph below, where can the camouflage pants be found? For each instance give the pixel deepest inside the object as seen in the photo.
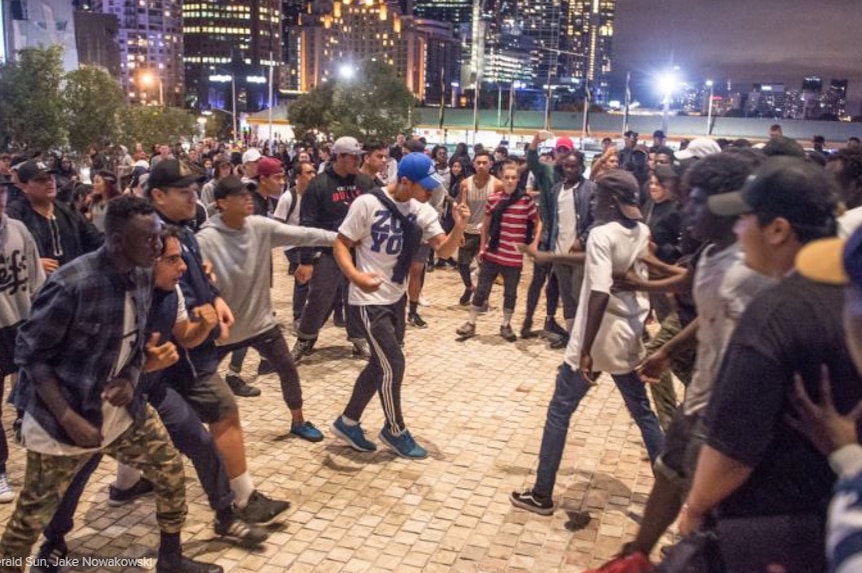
(682, 365)
(145, 447)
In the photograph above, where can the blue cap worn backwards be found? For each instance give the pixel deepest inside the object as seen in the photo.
(419, 168)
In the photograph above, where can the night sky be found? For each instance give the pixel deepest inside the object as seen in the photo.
(740, 40)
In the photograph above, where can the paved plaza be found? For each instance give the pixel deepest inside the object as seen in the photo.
(477, 405)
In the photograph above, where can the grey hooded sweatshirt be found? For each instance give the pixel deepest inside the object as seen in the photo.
(242, 262)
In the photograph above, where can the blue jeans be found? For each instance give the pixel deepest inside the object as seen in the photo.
(570, 389)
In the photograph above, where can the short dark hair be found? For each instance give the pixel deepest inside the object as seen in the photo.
(481, 152)
(849, 177)
(414, 145)
(121, 210)
(374, 145)
(170, 232)
(854, 139)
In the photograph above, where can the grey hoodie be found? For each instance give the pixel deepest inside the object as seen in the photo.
(242, 262)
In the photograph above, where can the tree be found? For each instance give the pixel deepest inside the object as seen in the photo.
(93, 101)
(378, 105)
(151, 125)
(31, 107)
(375, 103)
(308, 112)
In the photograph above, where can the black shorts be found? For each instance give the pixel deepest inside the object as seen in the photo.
(421, 254)
(210, 397)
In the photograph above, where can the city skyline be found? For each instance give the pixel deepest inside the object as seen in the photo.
(738, 40)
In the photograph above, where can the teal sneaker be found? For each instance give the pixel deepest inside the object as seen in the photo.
(353, 435)
(403, 445)
(307, 431)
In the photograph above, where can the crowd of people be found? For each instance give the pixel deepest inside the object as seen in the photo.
(121, 298)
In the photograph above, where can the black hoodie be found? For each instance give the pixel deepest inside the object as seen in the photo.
(326, 202)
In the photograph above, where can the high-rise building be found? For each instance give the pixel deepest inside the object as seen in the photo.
(455, 12)
(590, 31)
(150, 36)
(497, 51)
(543, 22)
(835, 99)
(96, 39)
(33, 23)
(334, 37)
(231, 50)
(766, 101)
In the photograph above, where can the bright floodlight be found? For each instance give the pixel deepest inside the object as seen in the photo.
(667, 83)
(709, 83)
(346, 71)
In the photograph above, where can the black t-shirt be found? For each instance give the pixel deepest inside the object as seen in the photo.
(794, 327)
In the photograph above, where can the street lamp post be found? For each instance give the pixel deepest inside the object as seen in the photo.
(148, 78)
(222, 78)
(711, 87)
(667, 83)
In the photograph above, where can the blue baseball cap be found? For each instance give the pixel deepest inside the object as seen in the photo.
(419, 168)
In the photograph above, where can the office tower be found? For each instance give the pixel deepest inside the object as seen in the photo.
(151, 47)
(590, 31)
(231, 47)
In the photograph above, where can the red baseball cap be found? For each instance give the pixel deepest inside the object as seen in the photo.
(269, 166)
(564, 142)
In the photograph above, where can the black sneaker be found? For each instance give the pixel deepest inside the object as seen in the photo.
(235, 528)
(118, 497)
(361, 350)
(49, 556)
(528, 500)
(507, 333)
(413, 319)
(440, 263)
(559, 342)
(465, 298)
(186, 565)
(265, 367)
(527, 328)
(260, 509)
(303, 347)
(553, 329)
(240, 387)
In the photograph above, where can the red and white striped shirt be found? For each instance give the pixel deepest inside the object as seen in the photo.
(513, 229)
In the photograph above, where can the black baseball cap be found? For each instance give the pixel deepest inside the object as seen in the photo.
(787, 187)
(624, 188)
(230, 185)
(172, 173)
(32, 169)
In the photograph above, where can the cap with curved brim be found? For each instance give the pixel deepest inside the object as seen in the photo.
(823, 261)
(431, 182)
(729, 204)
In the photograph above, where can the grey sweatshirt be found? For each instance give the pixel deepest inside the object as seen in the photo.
(242, 262)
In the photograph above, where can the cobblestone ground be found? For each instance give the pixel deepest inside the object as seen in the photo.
(479, 407)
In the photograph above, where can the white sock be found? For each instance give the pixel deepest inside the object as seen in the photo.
(570, 323)
(242, 487)
(507, 317)
(348, 422)
(126, 477)
(474, 314)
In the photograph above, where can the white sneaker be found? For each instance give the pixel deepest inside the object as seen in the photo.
(7, 494)
(424, 301)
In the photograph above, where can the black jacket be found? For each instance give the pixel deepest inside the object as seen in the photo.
(326, 201)
(77, 235)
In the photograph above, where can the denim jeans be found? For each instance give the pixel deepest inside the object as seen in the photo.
(569, 278)
(570, 389)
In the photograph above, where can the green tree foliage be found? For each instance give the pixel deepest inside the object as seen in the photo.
(31, 108)
(309, 111)
(150, 125)
(92, 101)
(375, 103)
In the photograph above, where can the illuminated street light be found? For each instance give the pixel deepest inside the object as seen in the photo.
(149, 79)
(667, 83)
(346, 71)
